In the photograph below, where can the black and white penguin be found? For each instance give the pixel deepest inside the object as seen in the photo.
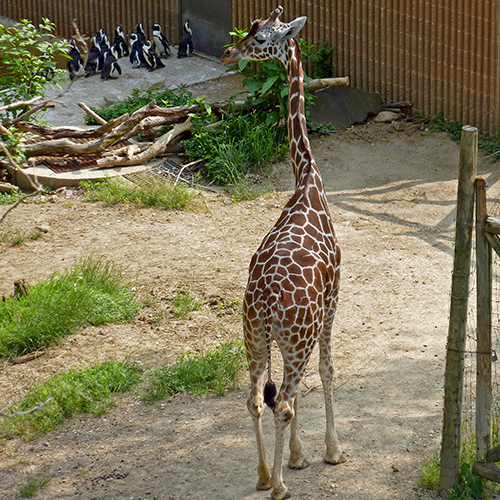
(75, 65)
(120, 42)
(186, 47)
(151, 57)
(160, 41)
(92, 58)
(136, 53)
(111, 67)
(141, 34)
(102, 40)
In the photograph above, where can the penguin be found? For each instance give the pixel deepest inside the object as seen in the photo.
(136, 52)
(111, 67)
(151, 56)
(102, 40)
(120, 43)
(75, 65)
(92, 58)
(160, 41)
(141, 34)
(186, 47)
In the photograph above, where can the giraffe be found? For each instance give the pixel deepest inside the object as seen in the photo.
(293, 283)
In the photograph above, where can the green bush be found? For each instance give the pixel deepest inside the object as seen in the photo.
(242, 142)
(28, 61)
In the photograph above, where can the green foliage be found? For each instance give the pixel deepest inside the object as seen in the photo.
(148, 191)
(10, 198)
(185, 302)
(92, 293)
(216, 371)
(88, 390)
(139, 98)
(453, 128)
(28, 61)
(471, 486)
(241, 142)
(319, 59)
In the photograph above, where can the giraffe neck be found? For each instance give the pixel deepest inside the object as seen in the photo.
(300, 148)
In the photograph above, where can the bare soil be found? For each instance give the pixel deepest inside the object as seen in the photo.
(392, 194)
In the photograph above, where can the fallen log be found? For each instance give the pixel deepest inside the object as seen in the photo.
(326, 82)
(129, 156)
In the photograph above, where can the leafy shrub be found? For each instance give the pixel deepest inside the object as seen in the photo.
(28, 61)
(241, 142)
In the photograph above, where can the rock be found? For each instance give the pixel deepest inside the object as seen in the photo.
(344, 106)
(7, 187)
(386, 117)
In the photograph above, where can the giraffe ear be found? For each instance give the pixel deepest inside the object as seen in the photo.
(295, 26)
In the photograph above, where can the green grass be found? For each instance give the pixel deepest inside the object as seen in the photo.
(92, 389)
(34, 483)
(216, 372)
(242, 143)
(88, 390)
(146, 191)
(91, 293)
(471, 485)
(139, 98)
(185, 302)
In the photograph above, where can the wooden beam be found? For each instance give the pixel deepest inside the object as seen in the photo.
(483, 318)
(488, 471)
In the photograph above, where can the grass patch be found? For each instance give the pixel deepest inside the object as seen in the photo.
(216, 372)
(185, 302)
(88, 390)
(19, 237)
(34, 483)
(471, 486)
(138, 99)
(148, 191)
(245, 190)
(92, 293)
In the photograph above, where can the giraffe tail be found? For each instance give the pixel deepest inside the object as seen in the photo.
(270, 386)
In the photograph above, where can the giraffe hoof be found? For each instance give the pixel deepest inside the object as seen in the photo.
(264, 485)
(300, 463)
(336, 458)
(281, 493)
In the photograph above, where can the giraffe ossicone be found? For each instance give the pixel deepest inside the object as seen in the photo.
(292, 291)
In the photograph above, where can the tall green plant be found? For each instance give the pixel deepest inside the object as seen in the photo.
(28, 61)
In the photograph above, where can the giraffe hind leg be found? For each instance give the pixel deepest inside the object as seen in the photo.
(333, 454)
(297, 459)
(256, 407)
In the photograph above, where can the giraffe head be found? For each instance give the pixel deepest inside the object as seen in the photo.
(265, 40)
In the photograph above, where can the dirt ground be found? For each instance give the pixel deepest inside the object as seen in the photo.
(392, 194)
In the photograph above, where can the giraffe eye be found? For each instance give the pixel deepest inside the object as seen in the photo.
(260, 40)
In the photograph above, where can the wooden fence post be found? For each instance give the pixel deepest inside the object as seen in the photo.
(483, 375)
(453, 391)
